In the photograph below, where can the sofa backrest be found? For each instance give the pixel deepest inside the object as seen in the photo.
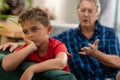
(58, 28)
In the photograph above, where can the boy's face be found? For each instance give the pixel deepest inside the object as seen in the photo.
(36, 32)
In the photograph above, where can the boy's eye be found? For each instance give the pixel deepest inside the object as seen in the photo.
(25, 32)
(34, 29)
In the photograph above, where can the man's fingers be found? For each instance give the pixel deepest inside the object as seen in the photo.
(96, 42)
(85, 49)
(91, 46)
(83, 53)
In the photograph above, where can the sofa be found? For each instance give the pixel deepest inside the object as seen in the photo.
(47, 75)
(58, 28)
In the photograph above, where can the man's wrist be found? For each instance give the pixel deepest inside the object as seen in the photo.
(95, 53)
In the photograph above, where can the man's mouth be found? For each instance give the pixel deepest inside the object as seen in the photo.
(85, 20)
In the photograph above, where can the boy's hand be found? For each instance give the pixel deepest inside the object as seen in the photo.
(27, 75)
(31, 43)
(10, 45)
(91, 49)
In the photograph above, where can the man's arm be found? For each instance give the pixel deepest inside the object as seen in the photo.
(106, 59)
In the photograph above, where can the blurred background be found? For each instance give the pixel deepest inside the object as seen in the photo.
(63, 13)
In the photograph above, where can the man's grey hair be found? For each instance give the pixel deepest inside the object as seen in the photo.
(97, 2)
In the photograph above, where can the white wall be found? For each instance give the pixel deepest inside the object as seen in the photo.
(69, 12)
(118, 17)
(118, 20)
(65, 10)
(39, 3)
(108, 15)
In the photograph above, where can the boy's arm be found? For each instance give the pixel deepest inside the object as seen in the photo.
(12, 60)
(57, 63)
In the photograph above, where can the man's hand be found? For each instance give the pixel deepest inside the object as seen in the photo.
(91, 49)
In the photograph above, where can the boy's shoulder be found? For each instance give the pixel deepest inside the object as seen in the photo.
(54, 41)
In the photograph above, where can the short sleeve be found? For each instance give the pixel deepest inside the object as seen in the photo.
(61, 48)
(21, 47)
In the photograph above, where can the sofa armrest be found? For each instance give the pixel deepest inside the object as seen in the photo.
(22, 66)
(1, 56)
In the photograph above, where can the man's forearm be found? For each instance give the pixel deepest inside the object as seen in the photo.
(106, 59)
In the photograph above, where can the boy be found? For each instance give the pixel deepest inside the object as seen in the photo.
(48, 53)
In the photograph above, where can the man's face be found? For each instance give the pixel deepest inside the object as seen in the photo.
(87, 13)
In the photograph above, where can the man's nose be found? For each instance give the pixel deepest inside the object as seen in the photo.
(86, 13)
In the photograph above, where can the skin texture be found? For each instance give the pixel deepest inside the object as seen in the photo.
(88, 15)
(37, 43)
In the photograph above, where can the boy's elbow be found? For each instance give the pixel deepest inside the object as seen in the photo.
(6, 66)
(61, 64)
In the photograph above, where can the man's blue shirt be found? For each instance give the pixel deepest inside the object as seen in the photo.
(87, 67)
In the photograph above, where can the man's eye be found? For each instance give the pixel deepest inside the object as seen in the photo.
(90, 11)
(82, 10)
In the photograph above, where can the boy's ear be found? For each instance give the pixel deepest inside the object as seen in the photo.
(49, 29)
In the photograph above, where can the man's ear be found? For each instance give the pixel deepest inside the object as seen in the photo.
(49, 28)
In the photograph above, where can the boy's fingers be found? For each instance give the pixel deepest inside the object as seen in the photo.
(4, 48)
(12, 49)
(0, 47)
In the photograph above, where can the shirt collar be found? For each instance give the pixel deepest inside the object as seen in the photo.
(97, 28)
